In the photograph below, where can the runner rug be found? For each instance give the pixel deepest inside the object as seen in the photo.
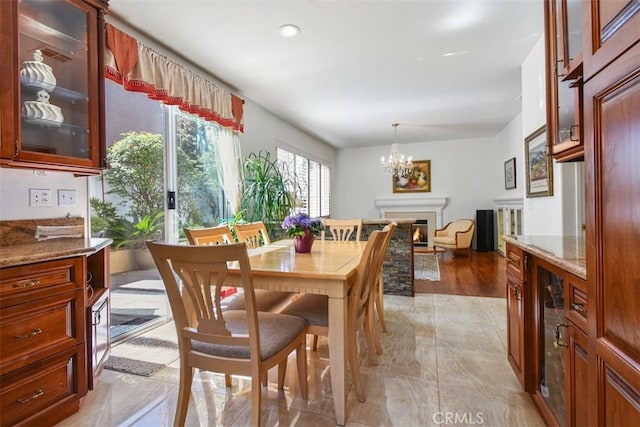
(425, 267)
(145, 354)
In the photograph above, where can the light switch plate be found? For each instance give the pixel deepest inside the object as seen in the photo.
(66, 197)
(40, 197)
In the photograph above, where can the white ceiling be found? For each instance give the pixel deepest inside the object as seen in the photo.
(358, 66)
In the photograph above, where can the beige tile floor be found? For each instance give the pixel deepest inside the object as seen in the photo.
(444, 363)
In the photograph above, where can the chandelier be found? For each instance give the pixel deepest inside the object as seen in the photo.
(396, 164)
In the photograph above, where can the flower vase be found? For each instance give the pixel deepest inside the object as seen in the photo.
(303, 244)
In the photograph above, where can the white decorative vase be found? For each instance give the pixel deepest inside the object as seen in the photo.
(41, 112)
(37, 74)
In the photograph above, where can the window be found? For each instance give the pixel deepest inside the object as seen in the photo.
(312, 183)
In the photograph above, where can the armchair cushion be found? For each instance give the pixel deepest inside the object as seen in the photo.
(455, 235)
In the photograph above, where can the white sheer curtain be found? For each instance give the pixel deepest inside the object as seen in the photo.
(229, 167)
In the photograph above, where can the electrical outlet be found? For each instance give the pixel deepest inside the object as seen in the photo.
(39, 197)
(66, 197)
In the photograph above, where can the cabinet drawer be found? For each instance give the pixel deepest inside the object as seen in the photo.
(39, 393)
(28, 282)
(40, 328)
(515, 261)
(577, 301)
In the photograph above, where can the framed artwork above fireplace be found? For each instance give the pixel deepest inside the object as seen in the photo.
(418, 180)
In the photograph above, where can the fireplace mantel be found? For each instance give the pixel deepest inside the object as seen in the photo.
(413, 203)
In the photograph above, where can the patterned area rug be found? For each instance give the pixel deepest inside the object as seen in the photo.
(145, 354)
(425, 267)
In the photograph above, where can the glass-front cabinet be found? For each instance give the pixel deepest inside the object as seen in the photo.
(563, 27)
(52, 85)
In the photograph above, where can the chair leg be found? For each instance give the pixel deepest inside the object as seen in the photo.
(256, 400)
(282, 372)
(301, 363)
(380, 305)
(373, 340)
(265, 378)
(184, 393)
(314, 345)
(352, 354)
(227, 380)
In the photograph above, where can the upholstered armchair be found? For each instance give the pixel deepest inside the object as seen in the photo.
(455, 235)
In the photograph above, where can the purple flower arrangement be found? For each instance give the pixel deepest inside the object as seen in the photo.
(296, 225)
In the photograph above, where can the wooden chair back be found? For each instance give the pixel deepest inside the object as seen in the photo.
(220, 235)
(343, 229)
(377, 303)
(253, 234)
(217, 340)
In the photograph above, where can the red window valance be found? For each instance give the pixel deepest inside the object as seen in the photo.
(139, 68)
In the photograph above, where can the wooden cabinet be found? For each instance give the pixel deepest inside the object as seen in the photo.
(612, 113)
(560, 345)
(577, 387)
(51, 85)
(98, 313)
(518, 316)
(515, 326)
(42, 326)
(612, 28)
(563, 42)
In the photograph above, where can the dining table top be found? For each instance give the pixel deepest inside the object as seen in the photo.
(328, 259)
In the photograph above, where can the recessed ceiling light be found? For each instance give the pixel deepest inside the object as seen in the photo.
(289, 30)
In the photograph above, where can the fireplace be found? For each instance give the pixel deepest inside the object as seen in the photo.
(420, 232)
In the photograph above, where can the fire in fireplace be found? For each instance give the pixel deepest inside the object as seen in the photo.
(420, 233)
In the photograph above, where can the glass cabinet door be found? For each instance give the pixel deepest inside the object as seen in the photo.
(56, 95)
(551, 368)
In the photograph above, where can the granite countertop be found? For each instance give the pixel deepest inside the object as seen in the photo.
(566, 252)
(26, 253)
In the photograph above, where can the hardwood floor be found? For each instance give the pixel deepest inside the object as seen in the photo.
(481, 274)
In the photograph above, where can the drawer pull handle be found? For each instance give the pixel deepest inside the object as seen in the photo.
(33, 333)
(37, 394)
(28, 284)
(579, 307)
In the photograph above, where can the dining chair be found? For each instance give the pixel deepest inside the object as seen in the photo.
(315, 308)
(232, 342)
(343, 229)
(378, 298)
(265, 300)
(220, 235)
(254, 234)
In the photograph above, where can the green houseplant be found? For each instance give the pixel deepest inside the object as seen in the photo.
(268, 190)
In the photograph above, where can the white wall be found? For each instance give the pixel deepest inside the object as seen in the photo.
(510, 145)
(264, 130)
(14, 193)
(464, 171)
(541, 215)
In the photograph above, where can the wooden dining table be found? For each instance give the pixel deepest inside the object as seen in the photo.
(329, 269)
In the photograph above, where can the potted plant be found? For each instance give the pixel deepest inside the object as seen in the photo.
(135, 178)
(268, 191)
(303, 230)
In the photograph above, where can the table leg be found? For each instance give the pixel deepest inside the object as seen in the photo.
(338, 355)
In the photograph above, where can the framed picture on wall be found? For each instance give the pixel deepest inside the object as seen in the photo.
(418, 180)
(538, 164)
(510, 174)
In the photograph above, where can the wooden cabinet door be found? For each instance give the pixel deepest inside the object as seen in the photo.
(612, 27)
(612, 101)
(577, 375)
(515, 326)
